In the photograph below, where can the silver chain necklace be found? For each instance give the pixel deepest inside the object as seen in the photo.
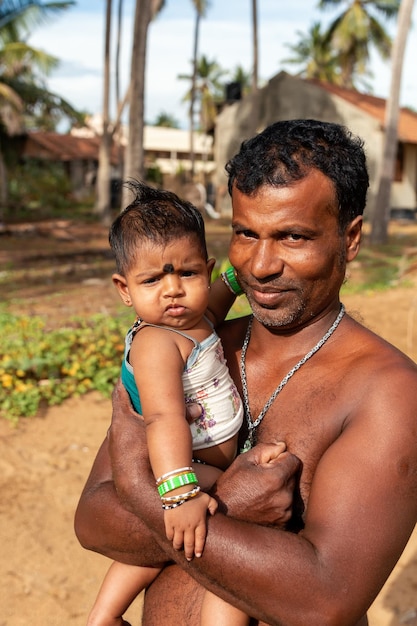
(253, 424)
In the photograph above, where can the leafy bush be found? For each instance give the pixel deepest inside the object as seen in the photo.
(38, 366)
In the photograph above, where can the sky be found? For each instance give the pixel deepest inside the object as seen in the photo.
(76, 38)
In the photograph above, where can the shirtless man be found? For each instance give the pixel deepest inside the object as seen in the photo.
(348, 412)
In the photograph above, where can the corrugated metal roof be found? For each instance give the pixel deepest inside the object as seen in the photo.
(407, 126)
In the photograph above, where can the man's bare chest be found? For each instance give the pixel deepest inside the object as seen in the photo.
(308, 414)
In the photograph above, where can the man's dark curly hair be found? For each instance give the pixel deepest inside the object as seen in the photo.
(153, 215)
(286, 151)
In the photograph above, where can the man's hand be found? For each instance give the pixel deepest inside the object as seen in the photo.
(128, 450)
(259, 485)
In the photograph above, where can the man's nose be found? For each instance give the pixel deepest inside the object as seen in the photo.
(266, 259)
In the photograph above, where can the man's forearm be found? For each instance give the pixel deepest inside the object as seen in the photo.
(226, 536)
(100, 517)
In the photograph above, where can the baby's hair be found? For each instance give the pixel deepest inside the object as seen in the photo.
(154, 215)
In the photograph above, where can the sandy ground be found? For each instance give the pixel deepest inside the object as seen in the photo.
(47, 579)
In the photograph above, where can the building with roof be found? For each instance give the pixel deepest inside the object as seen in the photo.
(166, 149)
(289, 97)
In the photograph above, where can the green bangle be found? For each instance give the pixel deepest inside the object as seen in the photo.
(230, 280)
(189, 478)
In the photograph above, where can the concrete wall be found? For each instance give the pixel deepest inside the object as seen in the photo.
(288, 97)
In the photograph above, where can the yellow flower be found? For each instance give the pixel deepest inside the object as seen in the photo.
(7, 381)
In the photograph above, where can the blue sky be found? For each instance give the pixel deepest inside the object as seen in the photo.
(77, 39)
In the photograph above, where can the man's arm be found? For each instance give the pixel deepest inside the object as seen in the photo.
(361, 511)
(103, 525)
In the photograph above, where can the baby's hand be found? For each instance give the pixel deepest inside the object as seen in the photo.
(266, 454)
(186, 524)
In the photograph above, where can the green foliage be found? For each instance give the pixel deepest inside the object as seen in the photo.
(43, 186)
(39, 367)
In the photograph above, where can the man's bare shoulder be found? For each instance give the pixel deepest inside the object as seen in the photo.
(376, 352)
(382, 380)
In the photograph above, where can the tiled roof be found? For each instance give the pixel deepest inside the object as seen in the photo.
(407, 126)
(63, 147)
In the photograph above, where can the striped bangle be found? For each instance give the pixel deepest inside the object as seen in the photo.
(230, 280)
(177, 481)
(169, 507)
(177, 472)
(181, 496)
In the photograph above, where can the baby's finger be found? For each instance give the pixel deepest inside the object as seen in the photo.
(200, 539)
(189, 544)
(178, 539)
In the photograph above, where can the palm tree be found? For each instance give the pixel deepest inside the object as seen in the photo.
(380, 218)
(166, 120)
(255, 46)
(23, 97)
(20, 64)
(145, 10)
(314, 54)
(103, 202)
(201, 7)
(26, 14)
(208, 90)
(355, 30)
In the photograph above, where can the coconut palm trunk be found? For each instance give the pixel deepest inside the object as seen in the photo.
(102, 208)
(134, 166)
(381, 214)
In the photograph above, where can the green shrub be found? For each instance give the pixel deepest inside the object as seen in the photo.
(47, 367)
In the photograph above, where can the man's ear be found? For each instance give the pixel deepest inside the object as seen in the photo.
(121, 285)
(210, 266)
(353, 238)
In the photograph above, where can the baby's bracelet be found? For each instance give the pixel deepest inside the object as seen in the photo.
(230, 280)
(178, 480)
(177, 472)
(173, 505)
(181, 496)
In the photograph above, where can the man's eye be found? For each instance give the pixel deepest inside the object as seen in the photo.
(244, 233)
(295, 237)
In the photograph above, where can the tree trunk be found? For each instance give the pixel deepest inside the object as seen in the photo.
(381, 214)
(104, 162)
(193, 92)
(119, 102)
(3, 189)
(255, 46)
(134, 157)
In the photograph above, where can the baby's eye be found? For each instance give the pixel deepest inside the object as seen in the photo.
(188, 273)
(150, 281)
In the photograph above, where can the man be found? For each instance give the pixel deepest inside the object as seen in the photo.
(343, 400)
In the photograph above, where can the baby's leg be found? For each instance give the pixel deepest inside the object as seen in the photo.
(120, 587)
(217, 612)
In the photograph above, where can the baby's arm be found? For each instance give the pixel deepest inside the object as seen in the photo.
(220, 300)
(158, 365)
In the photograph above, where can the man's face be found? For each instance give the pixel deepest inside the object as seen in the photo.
(287, 250)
